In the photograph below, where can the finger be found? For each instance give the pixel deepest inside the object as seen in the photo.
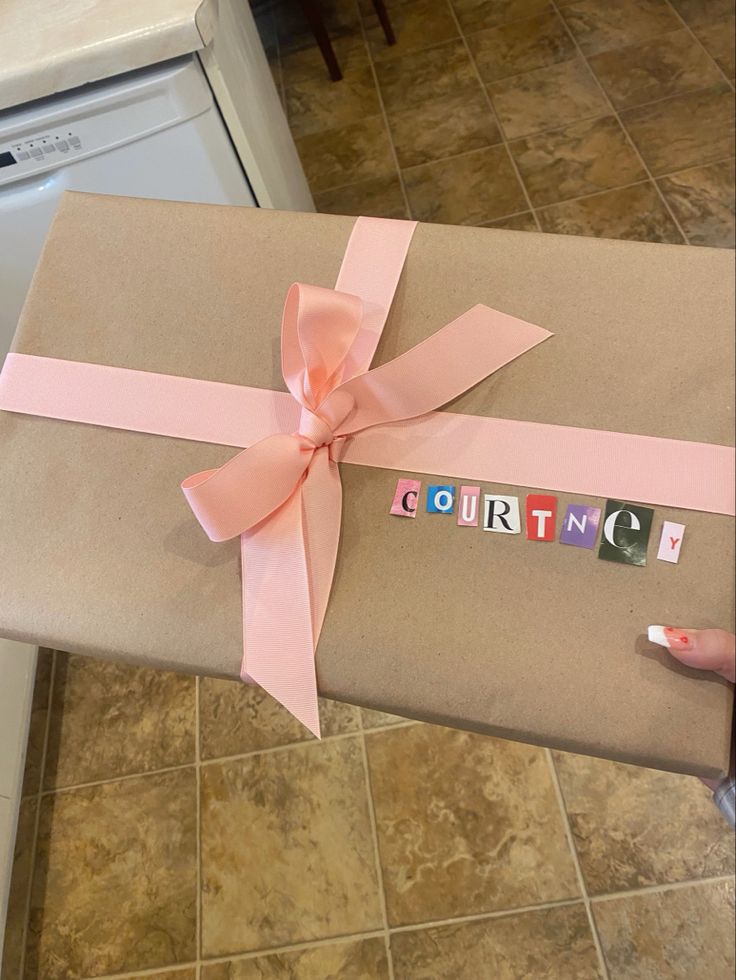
(702, 649)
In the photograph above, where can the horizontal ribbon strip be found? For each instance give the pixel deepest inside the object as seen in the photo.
(592, 462)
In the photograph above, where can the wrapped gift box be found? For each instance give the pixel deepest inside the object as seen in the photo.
(494, 633)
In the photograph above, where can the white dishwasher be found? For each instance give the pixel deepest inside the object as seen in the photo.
(156, 132)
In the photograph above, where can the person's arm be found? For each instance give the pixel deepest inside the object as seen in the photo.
(705, 650)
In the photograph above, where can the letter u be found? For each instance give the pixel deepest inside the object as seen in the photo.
(469, 503)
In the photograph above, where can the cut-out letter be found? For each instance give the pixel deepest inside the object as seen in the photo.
(671, 542)
(625, 534)
(468, 506)
(440, 500)
(541, 514)
(501, 514)
(580, 525)
(405, 498)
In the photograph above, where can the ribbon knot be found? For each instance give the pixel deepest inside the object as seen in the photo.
(315, 429)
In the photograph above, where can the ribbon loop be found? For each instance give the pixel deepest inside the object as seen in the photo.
(317, 331)
(250, 487)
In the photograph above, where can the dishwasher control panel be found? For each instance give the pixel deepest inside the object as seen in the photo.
(27, 154)
(60, 130)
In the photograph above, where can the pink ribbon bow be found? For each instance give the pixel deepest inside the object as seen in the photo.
(283, 495)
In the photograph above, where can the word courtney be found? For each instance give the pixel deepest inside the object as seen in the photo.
(625, 528)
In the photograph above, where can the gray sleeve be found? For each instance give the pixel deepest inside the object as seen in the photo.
(724, 798)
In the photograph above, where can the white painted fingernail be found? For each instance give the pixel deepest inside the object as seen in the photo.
(656, 634)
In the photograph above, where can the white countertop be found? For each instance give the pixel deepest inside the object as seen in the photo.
(49, 46)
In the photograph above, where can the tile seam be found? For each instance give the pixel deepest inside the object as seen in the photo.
(667, 98)
(376, 849)
(148, 972)
(697, 166)
(271, 951)
(486, 916)
(495, 117)
(37, 817)
(412, 51)
(580, 56)
(215, 760)
(220, 758)
(384, 115)
(697, 40)
(503, 217)
(565, 817)
(273, 750)
(415, 927)
(72, 787)
(585, 197)
(505, 23)
(657, 889)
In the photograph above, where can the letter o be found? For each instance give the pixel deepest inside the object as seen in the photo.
(443, 500)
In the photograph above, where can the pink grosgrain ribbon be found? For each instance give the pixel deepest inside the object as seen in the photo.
(283, 497)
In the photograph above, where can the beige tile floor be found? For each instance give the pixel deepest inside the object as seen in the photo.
(585, 117)
(183, 828)
(176, 827)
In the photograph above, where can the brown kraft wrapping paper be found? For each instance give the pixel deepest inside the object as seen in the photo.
(539, 642)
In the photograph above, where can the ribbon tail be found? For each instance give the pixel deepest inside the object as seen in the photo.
(322, 509)
(277, 616)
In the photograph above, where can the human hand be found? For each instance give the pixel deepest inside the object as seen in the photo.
(705, 650)
(702, 649)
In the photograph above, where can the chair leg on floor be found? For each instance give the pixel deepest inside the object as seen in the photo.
(317, 26)
(380, 8)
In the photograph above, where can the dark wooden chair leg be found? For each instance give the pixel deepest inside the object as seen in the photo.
(317, 26)
(380, 8)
